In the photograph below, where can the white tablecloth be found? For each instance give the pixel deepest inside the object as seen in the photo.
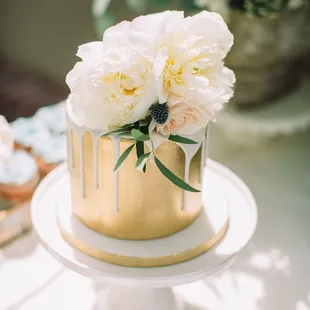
(273, 273)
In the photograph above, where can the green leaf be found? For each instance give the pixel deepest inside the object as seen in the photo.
(127, 126)
(189, 5)
(143, 122)
(139, 136)
(180, 139)
(173, 178)
(117, 131)
(123, 157)
(137, 6)
(140, 165)
(140, 150)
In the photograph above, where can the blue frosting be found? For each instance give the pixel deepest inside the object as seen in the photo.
(19, 169)
(53, 117)
(52, 149)
(44, 133)
(27, 130)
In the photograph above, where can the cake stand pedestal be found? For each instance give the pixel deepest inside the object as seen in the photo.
(131, 288)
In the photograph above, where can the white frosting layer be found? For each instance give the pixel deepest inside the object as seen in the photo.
(6, 139)
(53, 118)
(28, 130)
(52, 149)
(19, 169)
(44, 133)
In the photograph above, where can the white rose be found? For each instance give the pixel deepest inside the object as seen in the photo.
(185, 118)
(112, 87)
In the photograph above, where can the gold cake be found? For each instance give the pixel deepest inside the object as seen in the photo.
(138, 111)
(128, 204)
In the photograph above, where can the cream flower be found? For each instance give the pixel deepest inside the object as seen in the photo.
(188, 54)
(185, 118)
(111, 88)
(190, 61)
(144, 32)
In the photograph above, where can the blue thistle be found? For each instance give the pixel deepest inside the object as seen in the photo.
(159, 112)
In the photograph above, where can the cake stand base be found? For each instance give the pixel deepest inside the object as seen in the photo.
(130, 288)
(113, 298)
(209, 229)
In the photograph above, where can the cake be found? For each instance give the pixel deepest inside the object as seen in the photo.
(26, 131)
(53, 117)
(137, 118)
(19, 176)
(49, 151)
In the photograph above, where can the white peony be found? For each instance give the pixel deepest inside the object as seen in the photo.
(188, 55)
(111, 87)
(189, 63)
(159, 57)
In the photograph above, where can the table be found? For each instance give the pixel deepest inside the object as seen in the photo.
(271, 274)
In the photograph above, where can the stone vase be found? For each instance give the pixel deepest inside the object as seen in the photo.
(266, 55)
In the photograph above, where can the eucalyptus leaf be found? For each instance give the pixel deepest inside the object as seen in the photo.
(117, 131)
(143, 122)
(123, 157)
(139, 136)
(137, 6)
(142, 161)
(173, 178)
(140, 150)
(180, 139)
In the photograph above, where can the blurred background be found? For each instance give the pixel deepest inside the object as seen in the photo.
(269, 56)
(262, 135)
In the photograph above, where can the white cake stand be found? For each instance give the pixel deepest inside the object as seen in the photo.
(147, 288)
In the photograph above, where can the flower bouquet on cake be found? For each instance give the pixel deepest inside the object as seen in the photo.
(138, 111)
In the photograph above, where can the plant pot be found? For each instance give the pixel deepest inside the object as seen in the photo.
(265, 55)
(306, 45)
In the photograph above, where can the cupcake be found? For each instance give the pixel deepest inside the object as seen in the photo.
(53, 118)
(26, 131)
(18, 176)
(6, 139)
(49, 152)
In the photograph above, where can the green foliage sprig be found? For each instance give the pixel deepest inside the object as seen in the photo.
(138, 132)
